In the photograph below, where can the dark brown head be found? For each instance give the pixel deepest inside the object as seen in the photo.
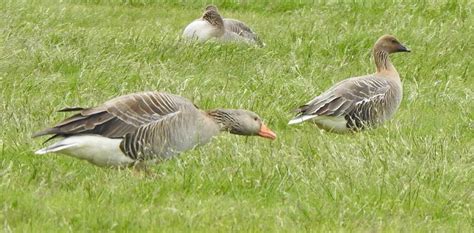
(390, 44)
(214, 18)
(242, 122)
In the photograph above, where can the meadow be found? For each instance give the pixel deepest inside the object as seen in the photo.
(413, 174)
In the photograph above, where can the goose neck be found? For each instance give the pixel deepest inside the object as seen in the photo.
(222, 118)
(382, 61)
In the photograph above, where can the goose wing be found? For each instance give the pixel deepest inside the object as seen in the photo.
(119, 116)
(356, 98)
(242, 30)
(167, 136)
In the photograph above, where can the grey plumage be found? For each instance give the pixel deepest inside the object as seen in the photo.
(149, 126)
(119, 116)
(170, 135)
(242, 30)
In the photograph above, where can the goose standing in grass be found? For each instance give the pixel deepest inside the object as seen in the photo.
(360, 102)
(145, 127)
(212, 25)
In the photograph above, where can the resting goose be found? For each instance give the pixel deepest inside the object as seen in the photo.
(212, 25)
(359, 102)
(147, 126)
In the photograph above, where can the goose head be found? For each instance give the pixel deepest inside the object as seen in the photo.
(214, 18)
(390, 44)
(241, 122)
(210, 7)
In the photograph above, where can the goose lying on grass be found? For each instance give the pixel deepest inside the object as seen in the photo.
(147, 126)
(359, 102)
(212, 25)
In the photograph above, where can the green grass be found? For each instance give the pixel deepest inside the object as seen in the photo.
(413, 174)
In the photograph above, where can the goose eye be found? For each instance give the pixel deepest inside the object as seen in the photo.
(255, 118)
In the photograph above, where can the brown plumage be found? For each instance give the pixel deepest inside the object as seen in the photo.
(214, 18)
(145, 126)
(359, 102)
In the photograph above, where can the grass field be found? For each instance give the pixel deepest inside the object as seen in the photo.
(413, 174)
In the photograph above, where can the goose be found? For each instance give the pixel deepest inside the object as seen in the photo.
(212, 25)
(145, 127)
(359, 102)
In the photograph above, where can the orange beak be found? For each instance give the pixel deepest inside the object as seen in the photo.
(266, 132)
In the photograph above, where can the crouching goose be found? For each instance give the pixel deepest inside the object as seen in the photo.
(147, 126)
(359, 102)
(212, 25)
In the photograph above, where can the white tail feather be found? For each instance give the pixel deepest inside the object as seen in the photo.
(54, 148)
(300, 119)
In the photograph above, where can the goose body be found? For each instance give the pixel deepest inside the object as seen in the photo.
(145, 127)
(201, 30)
(359, 102)
(212, 26)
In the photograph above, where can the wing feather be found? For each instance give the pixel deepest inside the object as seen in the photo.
(119, 116)
(152, 140)
(355, 98)
(242, 30)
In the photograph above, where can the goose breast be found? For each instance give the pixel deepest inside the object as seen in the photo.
(200, 30)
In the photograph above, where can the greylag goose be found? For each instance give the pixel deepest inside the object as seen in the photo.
(212, 25)
(359, 102)
(145, 127)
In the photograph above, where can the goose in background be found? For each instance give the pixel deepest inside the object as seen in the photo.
(359, 102)
(212, 25)
(209, 26)
(145, 127)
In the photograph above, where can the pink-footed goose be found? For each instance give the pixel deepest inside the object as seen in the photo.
(212, 25)
(145, 127)
(359, 102)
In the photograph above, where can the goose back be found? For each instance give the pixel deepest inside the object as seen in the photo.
(241, 30)
(119, 116)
